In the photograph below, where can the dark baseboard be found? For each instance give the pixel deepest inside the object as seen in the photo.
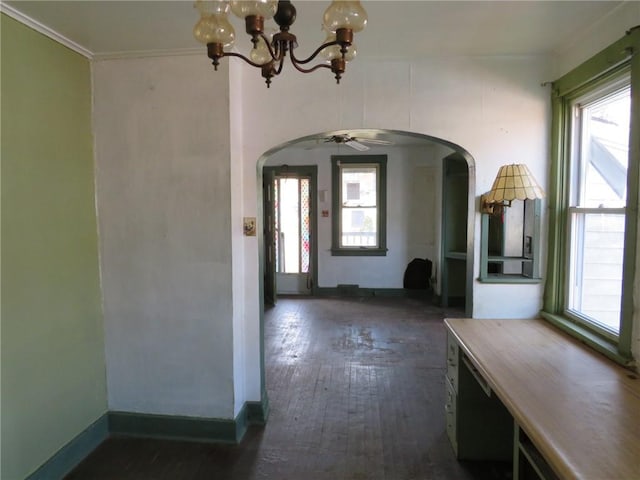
(456, 301)
(356, 291)
(258, 412)
(69, 456)
(217, 430)
(131, 424)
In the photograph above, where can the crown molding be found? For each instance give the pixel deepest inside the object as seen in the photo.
(43, 29)
(148, 53)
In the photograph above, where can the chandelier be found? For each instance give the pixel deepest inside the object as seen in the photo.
(341, 20)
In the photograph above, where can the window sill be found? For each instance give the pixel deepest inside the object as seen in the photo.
(505, 278)
(359, 252)
(593, 340)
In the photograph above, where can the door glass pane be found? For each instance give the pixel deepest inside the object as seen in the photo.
(276, 222)
(292, 224)
(304, 225)
(289, 226)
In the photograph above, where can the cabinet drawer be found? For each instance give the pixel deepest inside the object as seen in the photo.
(450, 409)
(453, 359)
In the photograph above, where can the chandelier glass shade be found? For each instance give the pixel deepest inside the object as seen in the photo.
(341, 20)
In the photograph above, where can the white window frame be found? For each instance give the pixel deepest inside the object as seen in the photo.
(576, 214)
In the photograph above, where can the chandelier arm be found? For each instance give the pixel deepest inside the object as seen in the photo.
(280, 65)
(312, 69)
(239, 55)
(314, 54)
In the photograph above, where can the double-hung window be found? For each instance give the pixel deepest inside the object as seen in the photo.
(593, 199)
(597, 205)
(359, 205)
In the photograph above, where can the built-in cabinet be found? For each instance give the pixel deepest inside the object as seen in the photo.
(510, 244)
(478, 425)
(455, 191)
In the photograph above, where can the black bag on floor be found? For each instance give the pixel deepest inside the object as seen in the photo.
(418, 274)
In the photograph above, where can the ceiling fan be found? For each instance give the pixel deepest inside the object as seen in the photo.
(357, 143)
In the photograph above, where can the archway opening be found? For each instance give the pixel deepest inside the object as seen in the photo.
(430, 214)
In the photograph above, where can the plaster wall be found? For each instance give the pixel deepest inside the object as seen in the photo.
(495, 108)
(240, 327)
(52, 352)
(412, 218)
(164, 209)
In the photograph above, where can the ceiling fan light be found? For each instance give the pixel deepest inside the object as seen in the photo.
(345, 14)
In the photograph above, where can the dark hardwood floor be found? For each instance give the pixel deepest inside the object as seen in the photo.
(356, 388)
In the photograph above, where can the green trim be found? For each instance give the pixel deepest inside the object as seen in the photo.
(359, 252)
(589, 338)
(222, 430)
(458, 164)
(381, 161)
(506, 278)
(310, 171)
(633, 201)
(600, 64)
(242, 423)
(604, 67)
(69, 456)
(175, 427)
(251, 413)
(152, 426)
(258, 412)
(356, 291)
(485, 258)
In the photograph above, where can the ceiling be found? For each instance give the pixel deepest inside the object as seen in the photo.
(395, 28)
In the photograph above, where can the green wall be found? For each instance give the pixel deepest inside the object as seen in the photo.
(53, 368)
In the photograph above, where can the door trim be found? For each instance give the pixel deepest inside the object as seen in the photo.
(311, 171)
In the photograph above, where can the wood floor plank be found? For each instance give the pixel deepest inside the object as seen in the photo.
(356, 389)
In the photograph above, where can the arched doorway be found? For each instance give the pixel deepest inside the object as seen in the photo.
(428, 153)
(444, 152)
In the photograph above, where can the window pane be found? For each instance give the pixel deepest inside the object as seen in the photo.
(605, 151)
(359, 186)
(597, 247)
(359, 227)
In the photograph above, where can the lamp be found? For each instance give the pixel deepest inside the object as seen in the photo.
(341, 20)
(513, 182)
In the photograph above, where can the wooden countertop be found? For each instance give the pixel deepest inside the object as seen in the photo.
(580, 410)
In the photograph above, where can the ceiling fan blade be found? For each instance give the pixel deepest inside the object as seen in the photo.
(356, 145)
(373, 141)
